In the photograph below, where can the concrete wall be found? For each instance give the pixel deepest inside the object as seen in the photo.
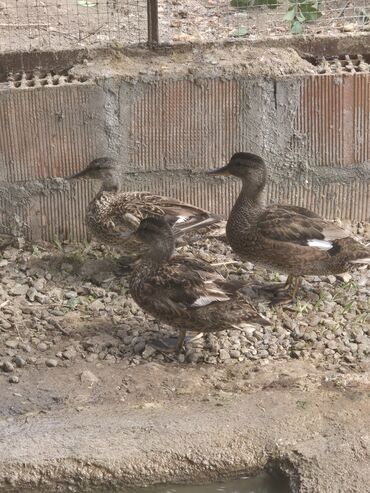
(165, 129)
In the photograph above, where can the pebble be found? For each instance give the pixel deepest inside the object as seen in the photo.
(7, 366)
(19, 361)
(11, 343)
(14, 379)
(88, 377)
(51, 363)
(224, 354)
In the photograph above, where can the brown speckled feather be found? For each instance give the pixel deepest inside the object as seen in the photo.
(287, 238)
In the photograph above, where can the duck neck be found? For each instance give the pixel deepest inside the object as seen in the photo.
(248, 206)
(160, 253)
(110, 183)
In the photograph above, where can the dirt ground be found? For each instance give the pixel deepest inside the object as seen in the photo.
(61, 24)
(87, 401)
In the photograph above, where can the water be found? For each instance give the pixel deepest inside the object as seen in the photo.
(260, 484)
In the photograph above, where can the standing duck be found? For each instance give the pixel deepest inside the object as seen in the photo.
(286, 238)
(186, 293)
(112, 212)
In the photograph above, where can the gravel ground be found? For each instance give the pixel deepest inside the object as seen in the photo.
(63, 304)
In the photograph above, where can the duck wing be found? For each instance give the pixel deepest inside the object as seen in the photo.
(299, 226)
(131, 207)
(184, 284)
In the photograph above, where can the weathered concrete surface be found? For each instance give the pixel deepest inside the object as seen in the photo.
(170, 114)
(179, 426)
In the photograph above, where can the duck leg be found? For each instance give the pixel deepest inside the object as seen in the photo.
(168, 345)
(279, 286)
(286, 296)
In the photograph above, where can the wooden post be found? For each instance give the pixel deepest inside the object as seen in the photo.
(152, 9)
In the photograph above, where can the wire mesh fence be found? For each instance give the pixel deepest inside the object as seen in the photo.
(209, 20)
(61, 24)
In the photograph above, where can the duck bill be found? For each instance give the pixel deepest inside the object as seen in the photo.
(80, 174)
(224, 171)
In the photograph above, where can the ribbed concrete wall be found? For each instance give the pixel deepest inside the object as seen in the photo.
(313, 132)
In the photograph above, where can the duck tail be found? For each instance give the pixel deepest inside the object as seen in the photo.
(364, 261)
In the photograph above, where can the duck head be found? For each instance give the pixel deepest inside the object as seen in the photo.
(157, 235)
(250, 168)
(102, 168)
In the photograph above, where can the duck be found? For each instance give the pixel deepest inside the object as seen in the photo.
(184, 292)
(285, 238)
(113, 212)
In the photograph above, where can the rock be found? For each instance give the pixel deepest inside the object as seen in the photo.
(31, 293)
(148, 352)
(5, 324)
(224, 354)
(14, 379)
(346, 277)
(42, 346)
(12, 344)
(51, 363)
(7, 366)
(69, 353)
(19, 290)
(88, 377)
(139, 347)
(19, 361)
(97, 305)
(235, 353)
(70, 294)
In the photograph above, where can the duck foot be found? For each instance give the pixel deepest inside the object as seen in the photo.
(172, 344)
(289, 293)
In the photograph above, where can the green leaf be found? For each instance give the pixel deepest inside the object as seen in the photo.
(289, 16)
(85, 3)
(271, 4)
(310, 12)
(239, 32)
(297, 27)
(241, 4)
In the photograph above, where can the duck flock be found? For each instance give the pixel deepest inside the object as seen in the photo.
(188, 293)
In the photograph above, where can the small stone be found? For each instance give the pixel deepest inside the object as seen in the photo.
(139, 347)
(332, 344)
(7, 366)
(70, 353)
(19, 290)
(346, 277)
(70, 294)
(31, 293)
(5, 324)
(148, 352)
(14, 379)
(224, 354)
(19, 361)
(42, 346)
(51, 363)
(235, 353)
(97, 305)
(88, 377)
(12, 344)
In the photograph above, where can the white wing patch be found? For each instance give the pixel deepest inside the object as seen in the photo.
(207, 300)
(322, 244)
(181, 219)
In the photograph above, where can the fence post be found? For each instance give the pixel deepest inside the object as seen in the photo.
(152, 10)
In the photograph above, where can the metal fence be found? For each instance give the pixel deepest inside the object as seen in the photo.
(63, 24)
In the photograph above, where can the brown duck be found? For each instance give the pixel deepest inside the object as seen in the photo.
(287, 238)
(112, 212)
(186, 293)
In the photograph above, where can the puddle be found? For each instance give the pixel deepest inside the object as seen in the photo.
(259, 484)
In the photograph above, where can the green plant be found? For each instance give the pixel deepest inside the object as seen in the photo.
(243, 4)
(301, 11)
